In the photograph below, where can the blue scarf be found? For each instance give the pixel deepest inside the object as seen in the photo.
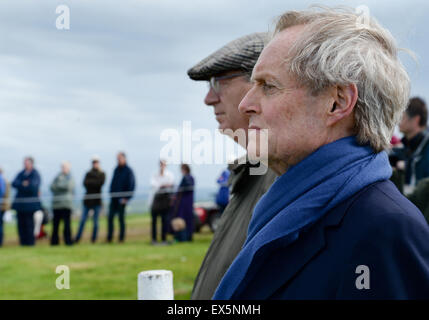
(298, 199)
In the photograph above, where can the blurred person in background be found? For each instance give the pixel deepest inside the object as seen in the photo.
(416, 143)
(4, 201)
(162, 184)
(93, 183)
(227, 72)
(184, 204)
(121, 188)
(26, 202)
(62, 204)
(222, 196)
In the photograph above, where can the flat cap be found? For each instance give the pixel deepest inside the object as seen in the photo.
(239, 54)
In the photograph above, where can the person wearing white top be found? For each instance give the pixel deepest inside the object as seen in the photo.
(162, 184)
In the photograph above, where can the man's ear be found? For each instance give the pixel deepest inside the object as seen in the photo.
(344, 101)
(416, 120)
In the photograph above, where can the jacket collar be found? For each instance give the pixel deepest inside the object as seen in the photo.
(285, 264)
(239, 173)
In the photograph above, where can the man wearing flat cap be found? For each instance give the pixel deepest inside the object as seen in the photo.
(228, 72)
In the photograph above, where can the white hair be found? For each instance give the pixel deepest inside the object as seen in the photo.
(340, 47)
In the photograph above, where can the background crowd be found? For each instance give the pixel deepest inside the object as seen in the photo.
(173, 204)
(409, 158)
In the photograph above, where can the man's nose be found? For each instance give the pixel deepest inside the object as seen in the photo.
(211, 98)
(249, 104)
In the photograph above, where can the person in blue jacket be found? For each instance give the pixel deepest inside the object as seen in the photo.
(329, 89)
(26, 202)
(121, 191)
(222, 196)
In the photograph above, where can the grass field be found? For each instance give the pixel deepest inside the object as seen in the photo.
(97, 271)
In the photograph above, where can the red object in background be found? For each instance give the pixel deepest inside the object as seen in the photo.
(206, 213)
(202, 214)
(42, 233)
(395, 140)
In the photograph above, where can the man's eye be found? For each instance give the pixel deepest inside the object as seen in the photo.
(268, 87)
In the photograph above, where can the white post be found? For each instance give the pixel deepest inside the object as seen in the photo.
(155, 285)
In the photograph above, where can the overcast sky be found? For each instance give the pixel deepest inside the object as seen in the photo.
(117, 78)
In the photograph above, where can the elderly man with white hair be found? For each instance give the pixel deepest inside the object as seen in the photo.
(62, 204)
(329, 89)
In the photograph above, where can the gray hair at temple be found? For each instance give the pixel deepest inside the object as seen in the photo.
(340, 47)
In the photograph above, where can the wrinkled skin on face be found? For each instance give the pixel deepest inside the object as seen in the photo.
(298, 123)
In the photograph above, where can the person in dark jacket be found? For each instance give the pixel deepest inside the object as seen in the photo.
(26, 202)
(93, 182)
(416, 143)
(184, 204)
(62, 204)
(332, 225)
(121, 191)
(4, 199)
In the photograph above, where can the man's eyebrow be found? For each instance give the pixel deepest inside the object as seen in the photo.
(263, 76)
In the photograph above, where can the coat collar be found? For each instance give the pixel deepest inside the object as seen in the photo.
(278, 267)
(240, 176)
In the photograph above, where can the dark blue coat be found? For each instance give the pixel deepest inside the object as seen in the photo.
(123, 181)
(30, 191)
(377, 228)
